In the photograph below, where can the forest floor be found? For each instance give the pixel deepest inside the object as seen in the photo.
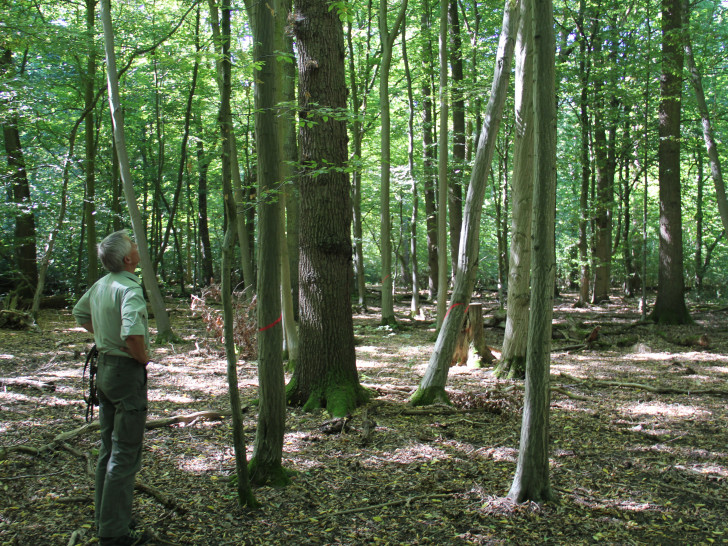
(628, 465)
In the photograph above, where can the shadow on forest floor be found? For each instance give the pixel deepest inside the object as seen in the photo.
(629, 465)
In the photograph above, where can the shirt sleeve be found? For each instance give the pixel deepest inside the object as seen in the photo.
(133, 313)
(82, 310)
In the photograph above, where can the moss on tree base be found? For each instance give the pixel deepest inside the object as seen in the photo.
(429, 395)
(511, 368)
(338, 398)
(274, 475)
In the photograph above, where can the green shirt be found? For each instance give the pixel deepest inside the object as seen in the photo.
(116, 308)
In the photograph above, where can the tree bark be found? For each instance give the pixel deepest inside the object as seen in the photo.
(428, 155)
(670, 305)
(710, 143)
(455, 193)
(442, 185)
(387, 41)
(25, 233)
(513, 359)
(326, 374)
(531, 481)
(432, 387)
(265, 464)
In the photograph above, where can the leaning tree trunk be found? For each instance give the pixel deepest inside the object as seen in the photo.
(326, 374)
(710, 143)
(432, 386)
(164, 328)
(531, 481)
(513, 358)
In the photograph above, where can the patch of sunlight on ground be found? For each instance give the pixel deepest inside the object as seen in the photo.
(499, 454)
(675, 411)
(414, 452)
(704, 469)
(6, 357)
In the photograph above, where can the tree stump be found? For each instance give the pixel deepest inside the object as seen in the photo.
(472, 334)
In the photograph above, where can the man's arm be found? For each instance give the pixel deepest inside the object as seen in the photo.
(136, 347)
(88, 326)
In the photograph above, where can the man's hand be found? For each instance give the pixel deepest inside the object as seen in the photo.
(88, 326)
(137, 349)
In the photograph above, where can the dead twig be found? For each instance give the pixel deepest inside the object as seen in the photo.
(642, 386)
(406, 501)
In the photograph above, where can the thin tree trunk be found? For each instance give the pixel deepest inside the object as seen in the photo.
(428, 154)
(90, 141)
(415, 302)
(164, 328)
(531, 481)
(432, 386)
(710, 143)
(455, 195)
(387, 40)
(265, 465)
(442, 185)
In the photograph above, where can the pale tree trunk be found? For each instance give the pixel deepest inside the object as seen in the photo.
(415, 302)
(710, 143)
(164, 328)
(265, 464)
(233, 168)
(531, 481)
(387, 40)
(325, 375)
(513, 359)
(455, 195)
(670, 305)
(432, 386)
(288, 212)
(442, 186)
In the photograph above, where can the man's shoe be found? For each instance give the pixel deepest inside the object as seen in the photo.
(135, 537)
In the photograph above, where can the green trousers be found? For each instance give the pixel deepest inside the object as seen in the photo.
(122, 390)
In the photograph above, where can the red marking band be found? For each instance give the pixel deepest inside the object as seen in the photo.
(455, 305)
(271, 324)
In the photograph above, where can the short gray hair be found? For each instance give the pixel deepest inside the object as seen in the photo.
(113, 249)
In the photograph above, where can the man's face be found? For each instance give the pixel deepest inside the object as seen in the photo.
(132, 259)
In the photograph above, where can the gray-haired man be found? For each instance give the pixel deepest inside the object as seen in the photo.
(114, 310)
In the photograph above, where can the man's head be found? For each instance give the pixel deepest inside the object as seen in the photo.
(118, 253)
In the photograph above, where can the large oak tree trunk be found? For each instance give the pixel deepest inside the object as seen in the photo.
(325, 374)
(670, 305)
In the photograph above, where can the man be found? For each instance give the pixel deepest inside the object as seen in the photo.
(114, 310)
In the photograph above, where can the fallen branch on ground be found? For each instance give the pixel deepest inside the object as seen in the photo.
(30, 383)
(94, 425)
(407, 501)
(642, 386)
